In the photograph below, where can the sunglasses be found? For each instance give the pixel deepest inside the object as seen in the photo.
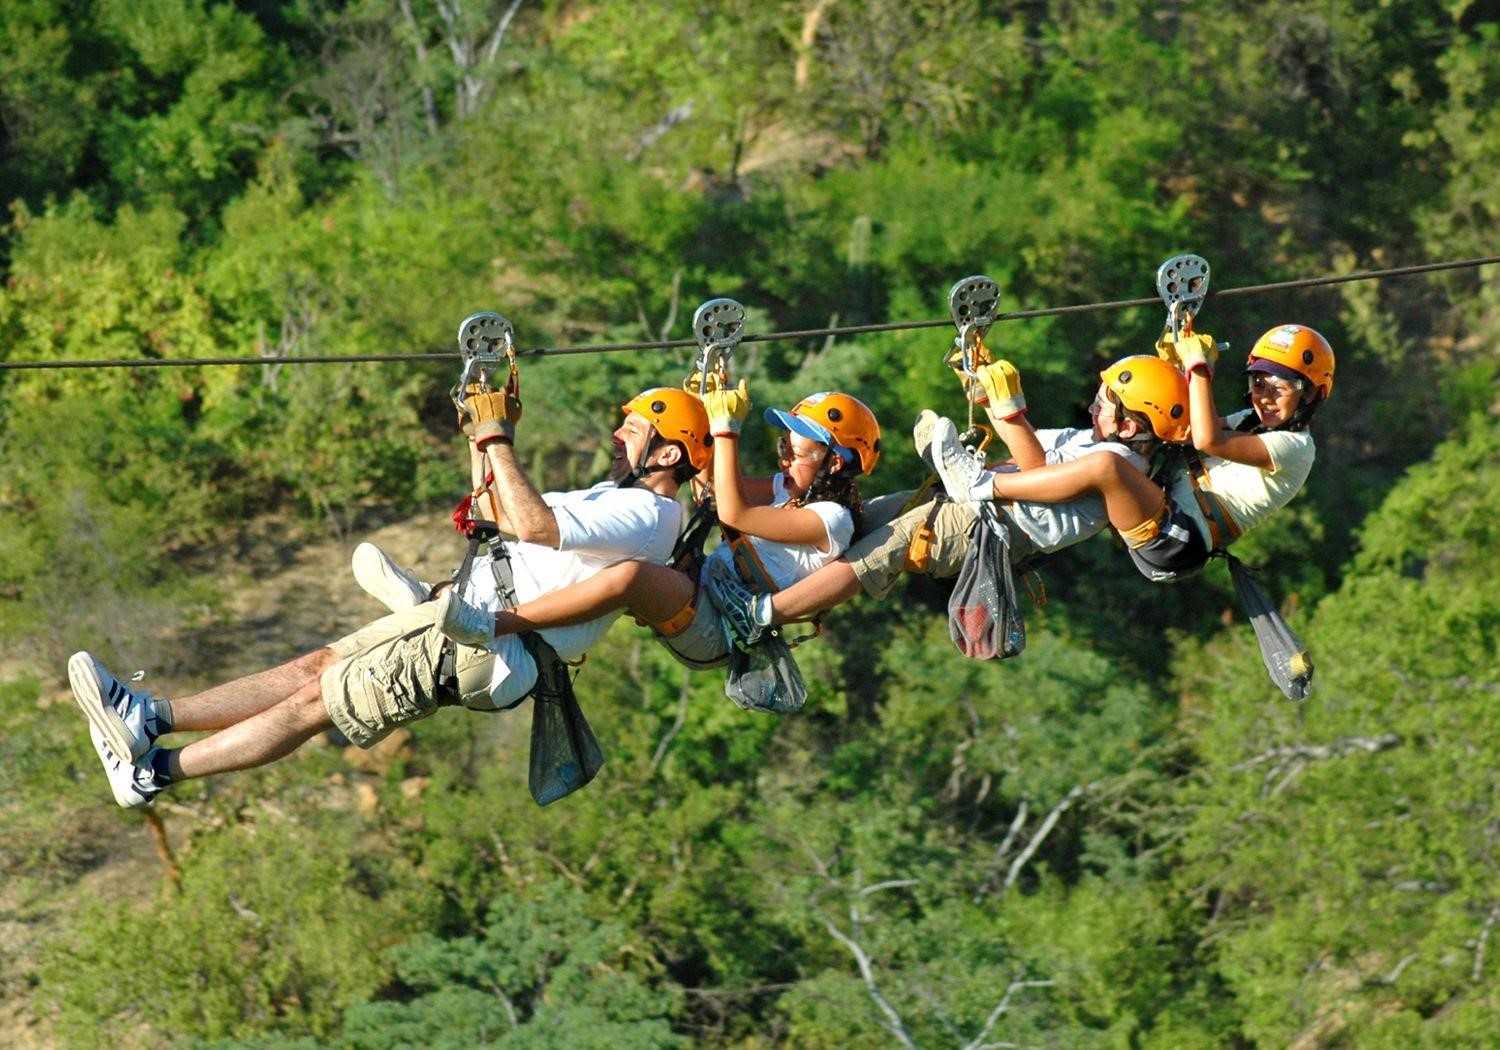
(787, 453)
(1260, 383)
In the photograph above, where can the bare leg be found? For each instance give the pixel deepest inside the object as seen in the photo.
(225, 705)
(1130, 497)
(655, 593)
(258, 740)
(833, 584)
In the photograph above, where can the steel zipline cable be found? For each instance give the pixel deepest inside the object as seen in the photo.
(768, 337)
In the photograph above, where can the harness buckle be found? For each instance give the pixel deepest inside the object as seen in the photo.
(718, 326)
(1182, 283)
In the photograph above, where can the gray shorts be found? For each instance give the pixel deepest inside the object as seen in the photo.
(701, 645)
(387, 675)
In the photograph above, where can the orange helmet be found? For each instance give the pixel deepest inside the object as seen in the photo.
(1155, 389)
(677, 416)
(835, 419)
(1294, 348)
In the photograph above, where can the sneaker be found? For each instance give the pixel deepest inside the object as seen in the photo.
(963, 474)
(921, 435)
(464, 623)
(124, 717)
(133, 785)
(735, 601)
(385, 581)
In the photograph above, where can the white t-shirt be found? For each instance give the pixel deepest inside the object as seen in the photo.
(597, 528)
(1249, 494)
(1052, 526)
(786, 563)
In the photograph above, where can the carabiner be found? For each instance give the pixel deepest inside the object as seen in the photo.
(974, 303)
(1182, 283)
(718, 326)
(485, 339)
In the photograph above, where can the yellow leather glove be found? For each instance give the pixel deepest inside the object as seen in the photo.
(694, 382)
(1196, 351)
(1000, 388)
(464, 422)
(1167, 351)
(727, 409)
(494, 415)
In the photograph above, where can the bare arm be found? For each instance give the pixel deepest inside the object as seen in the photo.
(485, 507)
(779, 524)
(1211, 436)
(1019, 437)
(524, 515)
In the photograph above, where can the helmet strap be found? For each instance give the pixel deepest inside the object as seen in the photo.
(640, 470)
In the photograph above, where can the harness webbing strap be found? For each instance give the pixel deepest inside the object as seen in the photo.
(1221, 527)
(919, 550)
(747, 560)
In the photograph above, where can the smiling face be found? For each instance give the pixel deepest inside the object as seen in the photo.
(800, 459)
(1274, 399)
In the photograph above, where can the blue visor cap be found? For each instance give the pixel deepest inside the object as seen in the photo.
(807, 428)
(1274, 368)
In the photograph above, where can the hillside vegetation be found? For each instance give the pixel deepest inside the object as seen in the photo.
(1124, 837)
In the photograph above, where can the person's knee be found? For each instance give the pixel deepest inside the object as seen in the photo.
(307, 708)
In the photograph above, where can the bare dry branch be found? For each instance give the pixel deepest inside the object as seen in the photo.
(1482, 943)
(1041, 834)
(892, 1022)
(682, 707)
(978, 1043)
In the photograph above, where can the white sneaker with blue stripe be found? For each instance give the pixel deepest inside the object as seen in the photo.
(122, 716)
(133, 785)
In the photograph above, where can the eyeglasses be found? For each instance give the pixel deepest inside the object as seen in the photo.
(785, 450)
(1260, 383)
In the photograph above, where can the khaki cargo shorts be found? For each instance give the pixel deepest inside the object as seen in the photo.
(387, 675)
(879, 558)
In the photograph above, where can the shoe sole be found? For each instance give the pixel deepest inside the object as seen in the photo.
(100, 715)
(377, 578)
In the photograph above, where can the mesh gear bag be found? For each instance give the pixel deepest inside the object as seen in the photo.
(564, 753)
(1286, 658)
(984, 619)
(764, 676)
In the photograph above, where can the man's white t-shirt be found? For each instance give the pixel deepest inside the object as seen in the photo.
(786, 563)
(1249, 494)
(597, 528)
(1052, 526)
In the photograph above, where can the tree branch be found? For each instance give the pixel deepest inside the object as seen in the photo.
(892, 1022)
(1482, 943)
(682, 707)
(1041, 834)
(1000, 852)
(978, 1043)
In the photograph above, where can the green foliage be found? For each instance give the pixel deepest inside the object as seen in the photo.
(1341, 845)
(232, 951)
